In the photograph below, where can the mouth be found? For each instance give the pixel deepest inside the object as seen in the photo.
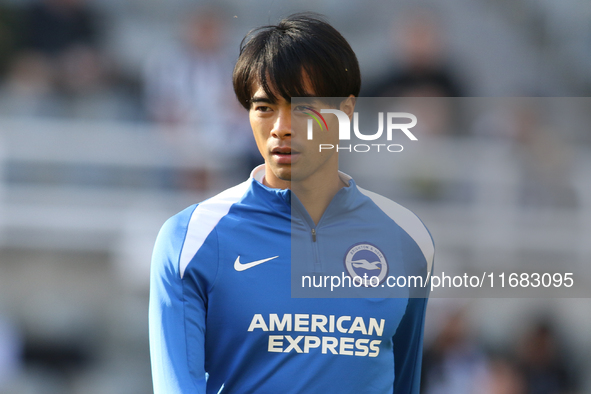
(284, 154)
(283, 150)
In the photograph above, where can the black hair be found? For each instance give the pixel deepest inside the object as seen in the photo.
(278, 57)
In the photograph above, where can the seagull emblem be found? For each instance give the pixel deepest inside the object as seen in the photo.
(366, 264)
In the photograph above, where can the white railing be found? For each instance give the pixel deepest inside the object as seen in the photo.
(99, 186)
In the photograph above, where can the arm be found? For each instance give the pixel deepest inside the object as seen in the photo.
(174, 371)
(408, 339)
(408, 348)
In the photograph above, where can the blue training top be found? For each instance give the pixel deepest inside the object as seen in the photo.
(222, 316)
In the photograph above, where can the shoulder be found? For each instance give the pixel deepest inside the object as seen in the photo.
(407, 220)
(200, 221)
(188, 232)
(169, 243)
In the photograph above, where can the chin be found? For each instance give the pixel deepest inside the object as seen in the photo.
(282, 174)
(285, 177)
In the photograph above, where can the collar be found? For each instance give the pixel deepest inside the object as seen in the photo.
(345, 200)
(258, 174)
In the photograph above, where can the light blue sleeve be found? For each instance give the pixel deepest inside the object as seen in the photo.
(408, 348)
(172, 373)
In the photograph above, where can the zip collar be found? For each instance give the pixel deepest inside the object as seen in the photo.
(346, 199)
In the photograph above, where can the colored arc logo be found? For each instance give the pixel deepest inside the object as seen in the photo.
(315, 117)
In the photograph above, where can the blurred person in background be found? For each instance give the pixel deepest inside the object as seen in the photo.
(9, 37)
(504, 377)
(545, 161)
(10, 354)
(455, 363)
(188, 84)
(29, 88)
(188, 92)
(423, 69)
(544, 361)
(53, 27)
(60, 68)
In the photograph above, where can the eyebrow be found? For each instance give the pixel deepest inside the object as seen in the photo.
(260, 99)
(265, 99)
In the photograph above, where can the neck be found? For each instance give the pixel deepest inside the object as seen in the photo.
(315, 192)
(315, 196)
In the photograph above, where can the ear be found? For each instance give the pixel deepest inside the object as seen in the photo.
(348, 106)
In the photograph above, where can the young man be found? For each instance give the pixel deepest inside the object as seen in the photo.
(222, 318)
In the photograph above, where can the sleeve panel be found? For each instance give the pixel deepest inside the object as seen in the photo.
(171, 373)
(408, 348)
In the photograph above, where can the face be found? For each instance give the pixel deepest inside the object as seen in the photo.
(280, 132)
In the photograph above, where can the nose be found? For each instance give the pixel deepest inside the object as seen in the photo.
(282, 126)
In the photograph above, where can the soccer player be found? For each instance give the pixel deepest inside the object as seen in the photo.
(222, 319)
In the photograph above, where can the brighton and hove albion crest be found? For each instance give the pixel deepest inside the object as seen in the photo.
(366, 264)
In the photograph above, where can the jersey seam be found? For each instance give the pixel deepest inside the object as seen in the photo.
(186, 347)
(178, 262)
(184, 299)
(217, 262)
(414, 370)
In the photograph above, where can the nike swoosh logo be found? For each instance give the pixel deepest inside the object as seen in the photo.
(241, 267)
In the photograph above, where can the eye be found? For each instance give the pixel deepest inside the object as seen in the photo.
(262, 108)
(301, 108)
